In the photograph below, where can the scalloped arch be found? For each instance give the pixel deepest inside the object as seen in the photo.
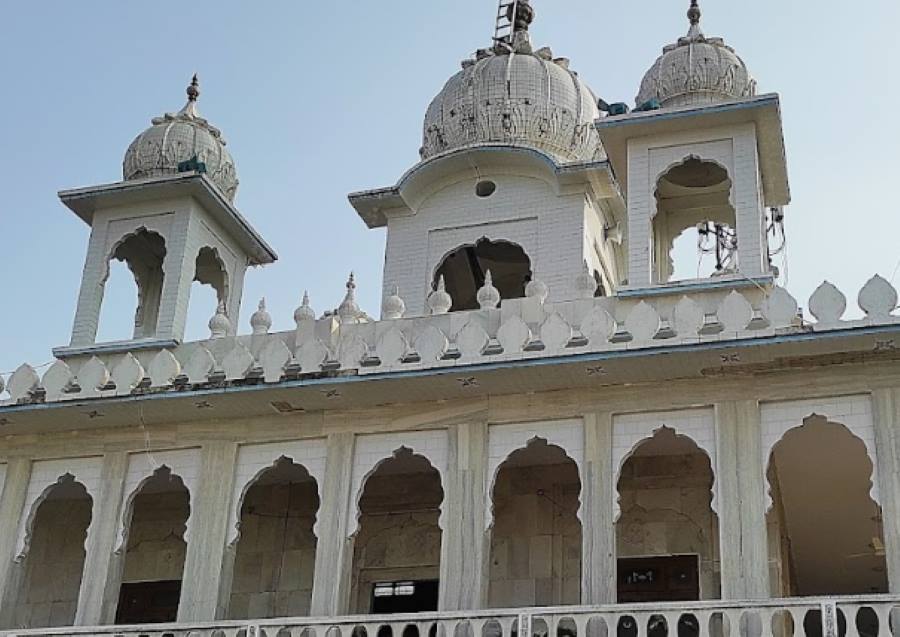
(24, 544)
(705, 158)
(372, 451)
(531, 444)
(504, 440)
(255, 460)
(714, 488)
(854, 413)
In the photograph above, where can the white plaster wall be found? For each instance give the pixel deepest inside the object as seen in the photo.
(629, 430)
(854, 412)
(399, 534)
(185, 463)
(503, 440)
(371, 450)
(605, 256)
(733, 147)
(186, 227)
(525, 210)
(109, 227)
(252, 460)
(45, 474)
(274, 559)
(536, 541)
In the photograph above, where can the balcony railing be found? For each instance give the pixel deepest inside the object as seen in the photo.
(864, 616)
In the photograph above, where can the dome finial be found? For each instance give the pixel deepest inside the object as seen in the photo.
(694, 15)
(520, 14)
(193, 91)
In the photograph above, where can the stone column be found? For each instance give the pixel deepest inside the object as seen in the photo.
(886, 408)
(598, 532)
(740, 480)
(334, 550)
(208, 527)
(15, 488)
(464, 543)
(98, 595)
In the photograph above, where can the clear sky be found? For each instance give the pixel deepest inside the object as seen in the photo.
(318, 99)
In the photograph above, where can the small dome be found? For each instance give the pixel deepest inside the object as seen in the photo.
(696, 70)
(179, 139)
(514, 95)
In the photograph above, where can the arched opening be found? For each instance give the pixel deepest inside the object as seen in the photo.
(667, 536)
(120, 299)
(209, 288)
(143, 253)
(154, 551)
(397, 550)
(694, 226)
(54, 563)
(275, 554)
(820, 477)
(535, 552)
(464, 272)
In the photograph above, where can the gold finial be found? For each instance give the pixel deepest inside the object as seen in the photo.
(193, 91)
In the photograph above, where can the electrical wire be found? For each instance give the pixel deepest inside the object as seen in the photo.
(5, 375)
(147, 447)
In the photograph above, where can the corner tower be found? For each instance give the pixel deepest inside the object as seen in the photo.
(172, 221)
(513, 180)
(701, 151)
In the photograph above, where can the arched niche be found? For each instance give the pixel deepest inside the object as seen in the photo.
(630, 431)
(693, 193)
(374, 449)
(819, 476)
(52, 564)
(209, 288)
(144, 252)
(853, 412)
(45, 475)
(154, 550)
(275, 551)
(142, 467)
(464, 270)
(398, 533)
(504, 440)
(535, 531)
(256, 459)
(665, 488)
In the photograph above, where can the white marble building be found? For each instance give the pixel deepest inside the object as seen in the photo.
(547, 431)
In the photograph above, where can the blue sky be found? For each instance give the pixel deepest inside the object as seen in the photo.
(318, 99)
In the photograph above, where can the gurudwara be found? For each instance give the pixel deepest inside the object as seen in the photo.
(553, 430)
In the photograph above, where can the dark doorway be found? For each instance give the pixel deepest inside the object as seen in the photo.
(405, 597)
(673, 578)
(148, 602)
(464, 271)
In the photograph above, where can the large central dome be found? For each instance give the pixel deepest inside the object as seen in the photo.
(512, 94)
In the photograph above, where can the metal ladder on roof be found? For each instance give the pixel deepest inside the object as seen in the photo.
(506, 20)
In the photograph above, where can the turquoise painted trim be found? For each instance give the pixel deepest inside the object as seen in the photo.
(664, 115)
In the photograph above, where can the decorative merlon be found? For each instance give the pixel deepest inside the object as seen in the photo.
(527, 328)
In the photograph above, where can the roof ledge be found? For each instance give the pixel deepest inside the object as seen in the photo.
(376, 206)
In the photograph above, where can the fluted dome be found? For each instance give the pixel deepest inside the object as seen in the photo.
(696, 70)
(183, 138)
(514, 95)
